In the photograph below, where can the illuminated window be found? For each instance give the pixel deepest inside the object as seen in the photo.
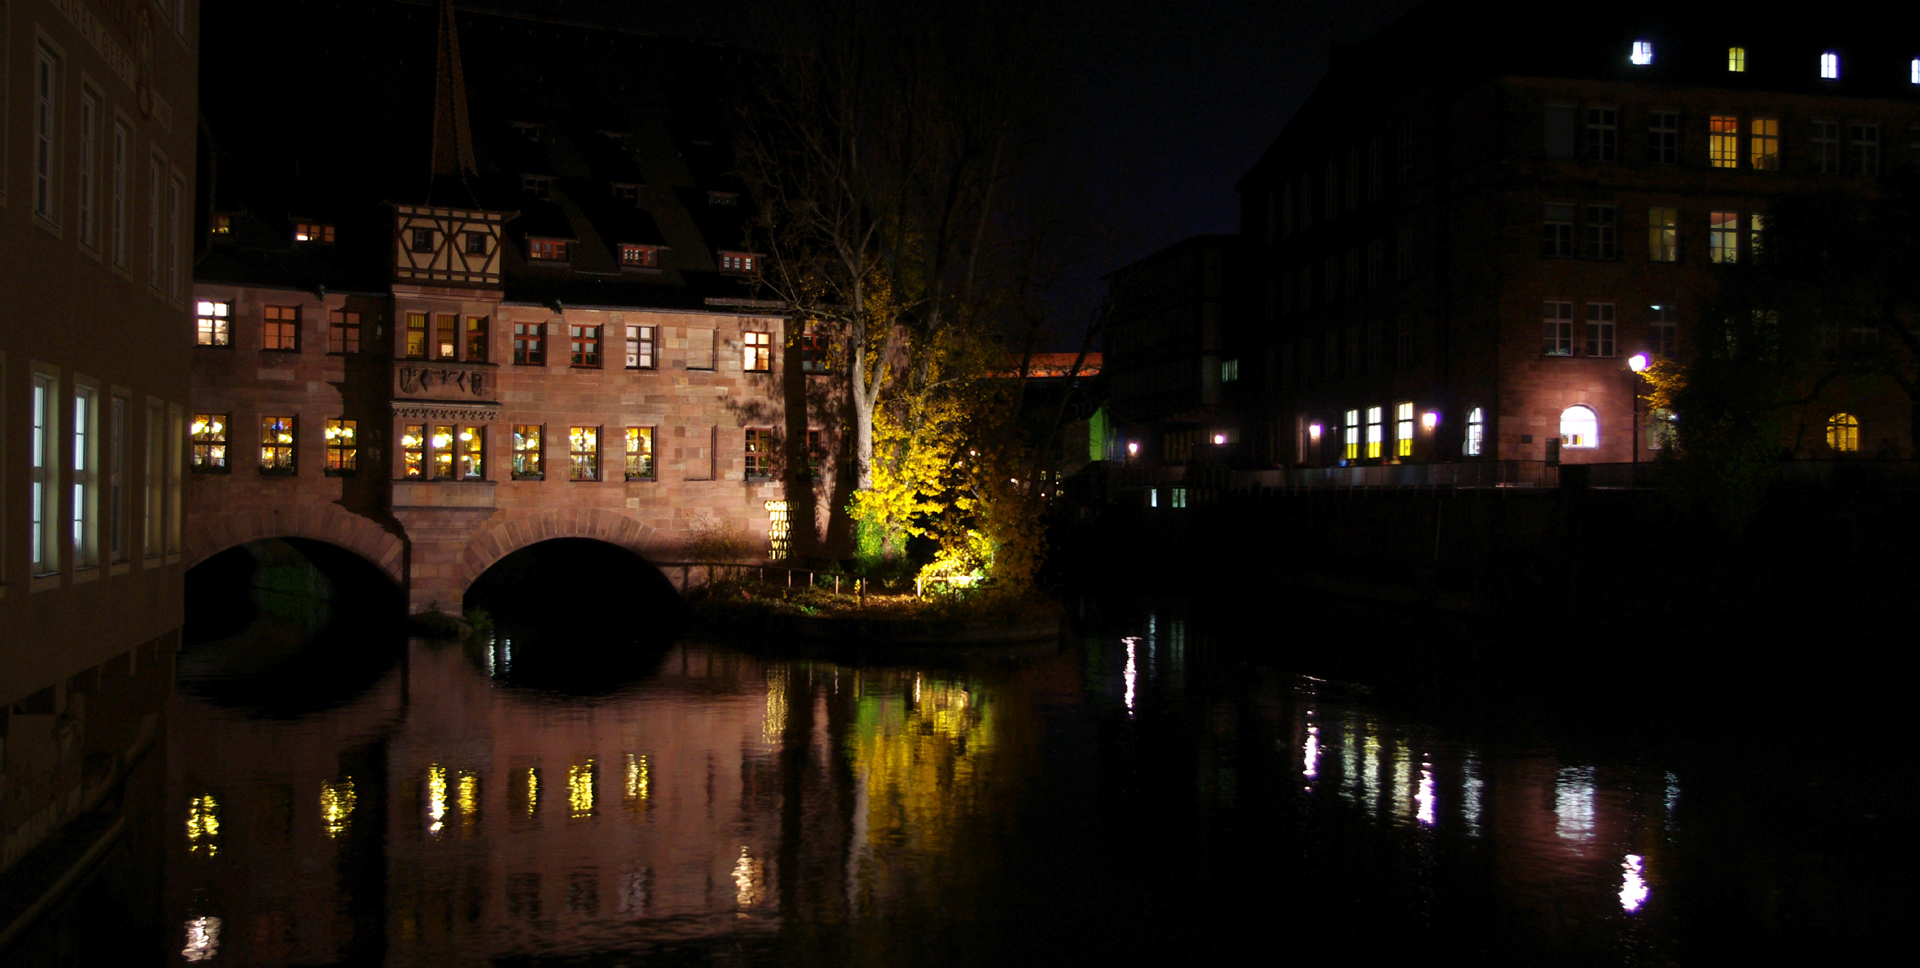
(1913, 71)
(1557, 328)
(1476, 433)
(758, 352)
(530, 344)
(1556, 238)
(1843, 433)
(44, 478)
(343, 332)
(1830, 66)
(1229, 371)
(1736, 59)
(1403, 429)
(1663, 235)
(1600, 320)
(583, 453)
(736, 262)
(1663, 137)
(547, 250)
(1663, 330)
(1603, 134)
(1826, 147)
(1723, 141)
(639, 453)
(1579, 428)
(815, 354)
(1601, 232)
(281, 328)
(759, 452)
(640, 347)
(343, 446)
(1642, 52)
(417, 336)
(1376, 432)
(1723, 237)
(1756, 234)
(85, 469)
(413, 452)
(470, 448)
(212, 323)
(639, 257)
(1864, 142)
(584, 345)
(477, 338)
(209, 442)
(313, 232)
(1350, 442)
(1763, 143)
(526, 451)
(276, 445)
(446, 337)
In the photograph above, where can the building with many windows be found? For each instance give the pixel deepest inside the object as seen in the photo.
(452, 306)
(1460, 243)
(97, 153)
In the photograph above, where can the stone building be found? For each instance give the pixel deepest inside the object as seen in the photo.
(1460, 241)
(97, 153)
(453, 305)
(1172, 366)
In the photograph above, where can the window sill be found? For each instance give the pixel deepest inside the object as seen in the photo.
(642, 369)
(210, 470)
(82, 576)
(649, 479)
(585, 366)
(287, 473)
(42, 583)
(331, 472)
(529, 477)
(529, 363)
(213, 346)
(119, 568)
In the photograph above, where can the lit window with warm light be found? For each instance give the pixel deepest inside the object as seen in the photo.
(1642, 53)
(1763, 143)
(1579, 428)
(1843, 433)
(1403, 429)
(313, 232)
(1723, 141)
(1737, 60)
(1351, 442)
(209, 434)
(1376, 432)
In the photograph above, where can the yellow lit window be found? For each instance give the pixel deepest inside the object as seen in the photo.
(446, 342)
(583, 448)
(639, 453)
(413, 452)
(759, 452)
(1723, 141)
(209, 441)
(526, 450)
(223, 225)
(280, 329)
(1663, 234)
(1763, 143)
(1375, 432)
(1736, 59)
(1403, 429)
(1843, 433)
(313, 232)
(759, 352)
(442, 444)
(1350, 448)
(343, 446)
(276, 445)
(417, 336)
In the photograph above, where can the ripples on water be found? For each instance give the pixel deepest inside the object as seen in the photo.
(1154, 793)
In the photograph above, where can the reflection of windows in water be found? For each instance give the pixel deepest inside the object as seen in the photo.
(635, 891)
(1573, 803)
(583, 893)
(523, 896)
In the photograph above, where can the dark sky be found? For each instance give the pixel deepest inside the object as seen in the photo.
(1169, 103)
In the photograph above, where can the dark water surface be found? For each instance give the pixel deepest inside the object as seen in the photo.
(1165, 788)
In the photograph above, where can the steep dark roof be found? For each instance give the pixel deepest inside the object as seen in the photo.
(323, 110)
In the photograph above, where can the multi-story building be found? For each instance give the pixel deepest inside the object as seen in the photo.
(1461, 241)
(483, 282)
(97, 153)
(1171, 365)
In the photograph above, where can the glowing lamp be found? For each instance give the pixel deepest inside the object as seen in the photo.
(1133, 448)
(1637, 362)
(1219, 438)
(1429, 420)
(1313, 431)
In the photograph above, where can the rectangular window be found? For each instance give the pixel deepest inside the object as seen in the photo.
(546, 250)
(1352, 272)
(449, 453)
(758, 352)
(1560, 131)
(1723, 141)
(1723, 236)
(471, 447)
(530, 344)
(526, 451)
(343, 332)
(759, 452)
(176, 444)
(212, 323)
(313, 232)
(413, 452)
(1864, 140)
(639, 347)
(1375, 433)
(1404, 148)
(446, 337)
(1600, 320)
(1663, 137)
(1756, 234)
(122, 140)
(157, 183)
(280, 328)
(816, 453)
(1330, 189)
(639, 257)
(1663, 235)
(584, 345)
(1736, 59)
(1763, 143)
(209, 436)
(89, 168)
(816, 356)
(476, 243)
(1350, 441)
(1556, 320)
(156, 478)
(441, 451)
(416, 336)
(1826, 147)
(1403, 429)
(583, 453)
(639, 453)
(1373, 169)
(1603, 134)
(85, 467)
(343, 446)
(1663, 330)
(1556, 235)
(477, 338)
(118, 516)
(43, 478)
(1353, 179)
(736, 262)
(46, 136)
(420, 240)
(276, 445)
(1601, 238)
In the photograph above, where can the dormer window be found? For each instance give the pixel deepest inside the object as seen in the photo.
(420, 240)
(722, 199)
(313, 232)
(627, 193)
(1642, 53)
(539, 186)
(547, 250)
(639, 257)
(738, 262)
(222, 224)
(531, 131)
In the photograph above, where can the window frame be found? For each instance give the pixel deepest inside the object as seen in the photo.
(342, 447)
(1572, 442)
(279, 445)
(583, 346)
(45, 127)
(1723, 237)
(1602, 330)
(84, 439)
(642, 347)
(1843, 433)
(530, 344)
(213, 323)
(43, 473)
(1376, 432)
(417, 335)
(208, 454)
(477, 336)
(1663, 233)
(1763, 144)
(343, 332)
(1350, 439)
(1556, 318)
(758, 453)
(1602, 134)
(1474, 442)
(583, 454)
(1403, 429)
(639, 455)
(1600, 232)
(1723, 141)
(271, 334)
(528, 463)
(756, 350)
(1663, 330)
(1663, 137)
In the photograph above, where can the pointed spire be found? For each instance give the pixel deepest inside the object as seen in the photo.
(452, 135)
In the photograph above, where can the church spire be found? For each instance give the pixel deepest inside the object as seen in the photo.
(453, 162)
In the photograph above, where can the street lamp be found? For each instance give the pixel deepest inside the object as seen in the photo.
(1636, 364)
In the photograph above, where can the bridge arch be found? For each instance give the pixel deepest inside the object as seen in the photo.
(211, 534)
(509, 532)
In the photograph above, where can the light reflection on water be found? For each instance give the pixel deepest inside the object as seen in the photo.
(726, 799)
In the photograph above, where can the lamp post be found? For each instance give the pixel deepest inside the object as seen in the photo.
(1635, 365)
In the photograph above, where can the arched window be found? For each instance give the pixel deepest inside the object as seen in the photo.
(1476, 432)
(1843, 433)
(1579, 427)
